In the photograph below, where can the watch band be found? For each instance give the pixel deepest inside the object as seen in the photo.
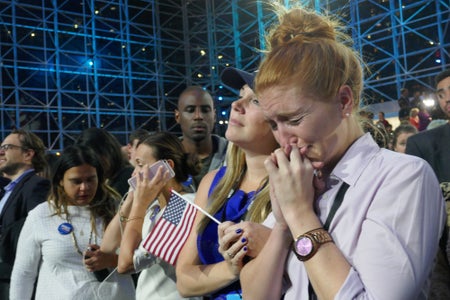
(317, 237)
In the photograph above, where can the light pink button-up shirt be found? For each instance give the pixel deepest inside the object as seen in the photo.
(388, 226)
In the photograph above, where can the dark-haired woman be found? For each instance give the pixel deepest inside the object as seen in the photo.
(117, 169)
(56, 234)
(141, 210)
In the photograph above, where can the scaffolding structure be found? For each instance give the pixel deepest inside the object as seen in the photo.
(121, 64)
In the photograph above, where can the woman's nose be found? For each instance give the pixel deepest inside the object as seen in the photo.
(84, 186)
(284, 136)
(237, 105)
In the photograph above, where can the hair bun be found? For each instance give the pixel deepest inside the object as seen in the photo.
(302, 26)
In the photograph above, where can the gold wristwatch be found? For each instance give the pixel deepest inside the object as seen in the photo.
(307, 244)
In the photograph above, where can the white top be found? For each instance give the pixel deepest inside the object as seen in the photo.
(157, 279)
(388, 226)
(46, 254)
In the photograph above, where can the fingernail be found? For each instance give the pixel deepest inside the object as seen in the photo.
(238, 230)
(243, 240)
(245, 248)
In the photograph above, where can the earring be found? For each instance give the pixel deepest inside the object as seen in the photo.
(347, 115)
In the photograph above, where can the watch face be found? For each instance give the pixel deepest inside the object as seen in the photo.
(304, 246)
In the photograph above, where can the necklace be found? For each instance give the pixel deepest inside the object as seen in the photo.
(74, 239)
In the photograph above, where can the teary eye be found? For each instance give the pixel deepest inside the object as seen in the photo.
(273, 125)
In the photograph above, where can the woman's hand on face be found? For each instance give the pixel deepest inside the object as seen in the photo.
(271, 163)
(291, 171)
(147, 189)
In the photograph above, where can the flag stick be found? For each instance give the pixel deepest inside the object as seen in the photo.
(197, 207)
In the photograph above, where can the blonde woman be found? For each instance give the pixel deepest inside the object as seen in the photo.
(237, 195)
(414, 117)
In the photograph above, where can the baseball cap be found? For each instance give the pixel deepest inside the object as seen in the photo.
(236, 78)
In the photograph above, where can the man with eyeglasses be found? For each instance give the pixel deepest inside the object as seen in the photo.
(22, 155)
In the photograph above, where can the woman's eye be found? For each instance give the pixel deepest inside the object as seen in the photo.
(273, 125)
(295, 121)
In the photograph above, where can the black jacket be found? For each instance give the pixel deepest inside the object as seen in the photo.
(434, 146)
(28, 192)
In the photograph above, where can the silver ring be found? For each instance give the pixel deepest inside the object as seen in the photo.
(230, 255)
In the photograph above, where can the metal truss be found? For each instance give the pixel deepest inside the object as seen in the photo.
(405, 44)
(121, 64)
(69, 65)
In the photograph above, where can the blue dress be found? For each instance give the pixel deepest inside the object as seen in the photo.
(208, 241)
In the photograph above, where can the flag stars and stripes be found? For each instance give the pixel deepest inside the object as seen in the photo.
(171, 230)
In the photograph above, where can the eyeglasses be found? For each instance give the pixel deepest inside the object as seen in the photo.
(6, 147)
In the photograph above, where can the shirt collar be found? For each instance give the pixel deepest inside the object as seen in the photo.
(356, 159)
(13, 183)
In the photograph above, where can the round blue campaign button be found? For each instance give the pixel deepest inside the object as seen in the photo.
(65, 228)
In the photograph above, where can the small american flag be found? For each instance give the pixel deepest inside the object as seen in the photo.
(171, 230)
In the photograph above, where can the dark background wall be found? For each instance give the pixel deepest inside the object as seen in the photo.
(69, 65)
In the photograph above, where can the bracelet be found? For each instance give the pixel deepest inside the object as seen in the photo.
(126, 219)
(135, 218)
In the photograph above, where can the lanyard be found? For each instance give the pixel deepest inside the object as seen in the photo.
(336, 204)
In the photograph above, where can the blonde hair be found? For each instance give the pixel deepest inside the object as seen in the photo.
(308, 50)
(261, 206)
(413, 112)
